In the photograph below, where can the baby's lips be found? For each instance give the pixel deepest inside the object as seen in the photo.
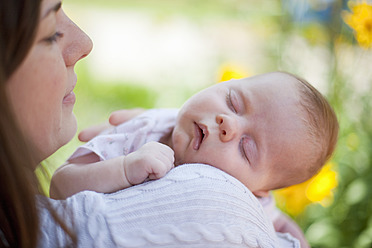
(201, 133)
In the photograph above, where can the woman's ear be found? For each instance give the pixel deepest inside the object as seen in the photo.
(262, 193)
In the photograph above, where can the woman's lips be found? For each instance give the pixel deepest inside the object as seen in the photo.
(201, 133)
(70, 98)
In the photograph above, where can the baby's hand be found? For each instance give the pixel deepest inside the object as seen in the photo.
(153, 160)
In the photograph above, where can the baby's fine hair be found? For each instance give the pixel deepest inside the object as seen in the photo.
(321, 122)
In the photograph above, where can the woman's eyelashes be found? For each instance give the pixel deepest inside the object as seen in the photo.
(54, 37)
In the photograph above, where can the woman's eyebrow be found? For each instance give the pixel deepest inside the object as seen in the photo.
(54, 8)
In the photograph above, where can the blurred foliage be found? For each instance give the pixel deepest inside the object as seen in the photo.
(345, 220)
(327, 37)
(235, 9)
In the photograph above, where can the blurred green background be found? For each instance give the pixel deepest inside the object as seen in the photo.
(157, 53)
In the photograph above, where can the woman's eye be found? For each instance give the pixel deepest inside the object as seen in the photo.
(54, 37)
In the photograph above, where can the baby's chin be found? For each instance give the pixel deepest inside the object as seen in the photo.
(184, 160)
(179, 160)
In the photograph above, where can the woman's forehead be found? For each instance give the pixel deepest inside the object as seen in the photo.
(49, 6)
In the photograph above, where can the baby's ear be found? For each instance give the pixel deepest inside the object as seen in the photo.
(262, 193)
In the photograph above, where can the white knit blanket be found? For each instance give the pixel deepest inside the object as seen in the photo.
(192, 206)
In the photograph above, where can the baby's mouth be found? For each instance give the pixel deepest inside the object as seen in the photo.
(201, 133)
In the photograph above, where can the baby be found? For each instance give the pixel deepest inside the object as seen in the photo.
(269, 131)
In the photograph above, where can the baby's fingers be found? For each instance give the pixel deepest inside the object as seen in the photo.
(163, 160)
(160, 151)
(160, 169)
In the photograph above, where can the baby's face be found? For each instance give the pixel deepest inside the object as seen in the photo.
(249, 128)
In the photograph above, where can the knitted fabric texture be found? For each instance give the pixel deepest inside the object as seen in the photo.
(192, 206)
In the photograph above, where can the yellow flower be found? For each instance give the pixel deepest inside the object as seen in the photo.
(230, 71)
(361, 21)
(321, 186)
(292, 199)
(317, 189)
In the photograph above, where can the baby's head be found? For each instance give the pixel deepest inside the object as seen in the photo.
(268, 131)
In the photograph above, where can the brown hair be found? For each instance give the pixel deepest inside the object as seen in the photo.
(320, 128)
(18, 214)
(19, 221)
(322, 124)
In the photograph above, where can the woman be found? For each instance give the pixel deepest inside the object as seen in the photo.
(42, 102)
(39, 47)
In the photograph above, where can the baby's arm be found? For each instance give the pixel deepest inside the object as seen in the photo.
(153, 160)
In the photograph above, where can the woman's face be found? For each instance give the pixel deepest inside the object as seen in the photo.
(41, 89)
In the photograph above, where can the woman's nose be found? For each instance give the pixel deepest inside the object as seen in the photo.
(78, 46)
(228, 127)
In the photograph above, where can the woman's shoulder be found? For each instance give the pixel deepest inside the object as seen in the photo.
(83, 214)
(193, 205)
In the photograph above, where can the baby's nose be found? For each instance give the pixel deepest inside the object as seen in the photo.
(228, 127)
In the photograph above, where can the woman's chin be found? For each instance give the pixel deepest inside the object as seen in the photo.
(71, 129)
(67, 133)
